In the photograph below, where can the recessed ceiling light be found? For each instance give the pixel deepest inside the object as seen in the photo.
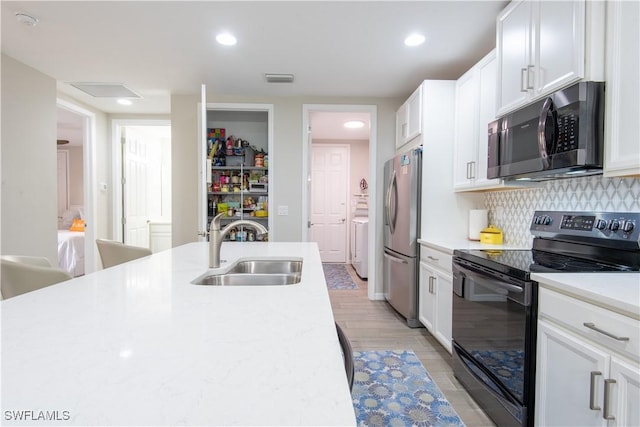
(226, 39)
(124, 102)
(414, 39)
(354, 124)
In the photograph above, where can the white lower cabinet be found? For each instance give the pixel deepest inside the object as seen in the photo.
(583, 376)
(435, 297)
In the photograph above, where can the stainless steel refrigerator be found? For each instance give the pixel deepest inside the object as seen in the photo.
(403, 188)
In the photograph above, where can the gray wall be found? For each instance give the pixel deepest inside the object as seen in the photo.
(287, 157)
(29, 161)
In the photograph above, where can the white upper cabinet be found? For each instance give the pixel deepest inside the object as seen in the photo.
(475, 109)
(409, 119)
(546, 45)
(622, 107)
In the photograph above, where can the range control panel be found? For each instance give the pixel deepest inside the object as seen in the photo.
(624, 226)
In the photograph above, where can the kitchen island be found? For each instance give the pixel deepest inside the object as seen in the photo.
(138, 344)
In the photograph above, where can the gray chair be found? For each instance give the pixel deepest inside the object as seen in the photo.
(22, 274)
(114, 253)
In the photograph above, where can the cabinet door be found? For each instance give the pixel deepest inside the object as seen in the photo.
(622, 127)
(466, 128)
(486, 114)
(625, 393)
(569, 378)
(426, 296)
(401, 125)
(414, 114)
(444, 309)
(514, 47)
(559, 44)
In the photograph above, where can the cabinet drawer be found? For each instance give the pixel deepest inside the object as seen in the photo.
(624, 332)
(436, 258)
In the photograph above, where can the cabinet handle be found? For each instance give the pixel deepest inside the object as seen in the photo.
(432, 258)
(523, 88)
(404, 130)
(592, 326)
(468, 170)
(472, 168)
(431, 280)
(607, 391)
(529, 86)
(592, 391)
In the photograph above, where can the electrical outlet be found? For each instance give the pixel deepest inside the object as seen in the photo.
(498, 213)
(283, 210)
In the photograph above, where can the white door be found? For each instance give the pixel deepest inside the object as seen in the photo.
(626, 393)
(136, 160)
(329, 188)
(63, 184)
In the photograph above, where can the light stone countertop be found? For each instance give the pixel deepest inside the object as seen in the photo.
(619, 292)
(449, 245)
(137, 344)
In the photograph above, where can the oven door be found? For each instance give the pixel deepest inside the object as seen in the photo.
(494, 339)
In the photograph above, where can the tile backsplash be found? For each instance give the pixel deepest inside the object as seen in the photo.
(513, 210)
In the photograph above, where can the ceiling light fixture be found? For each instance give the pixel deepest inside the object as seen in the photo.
(354, 124)
(123, 101)
(25, 19)
(414, 39)
(226, 39)
(279, 78)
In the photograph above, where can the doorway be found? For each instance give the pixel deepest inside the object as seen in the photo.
(78, 126)
(142, 183)
(314, 113)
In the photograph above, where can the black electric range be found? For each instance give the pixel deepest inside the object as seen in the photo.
(495, 302)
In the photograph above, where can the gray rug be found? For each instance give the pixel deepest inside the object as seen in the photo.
(337, 276)
(392, 388)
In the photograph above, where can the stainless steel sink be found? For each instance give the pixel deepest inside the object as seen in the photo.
(255, 272)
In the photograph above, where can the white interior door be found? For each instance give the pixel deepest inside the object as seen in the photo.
(63, 184)
(329, 189)
(135, 188)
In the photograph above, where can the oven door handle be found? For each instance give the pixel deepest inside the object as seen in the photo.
(498, 283)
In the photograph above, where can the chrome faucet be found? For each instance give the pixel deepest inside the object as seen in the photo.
(216, 236)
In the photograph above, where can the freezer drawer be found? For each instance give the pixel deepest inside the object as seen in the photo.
(401, 285)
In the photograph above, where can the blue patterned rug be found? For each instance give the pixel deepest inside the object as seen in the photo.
(337, 276)
(392, 388)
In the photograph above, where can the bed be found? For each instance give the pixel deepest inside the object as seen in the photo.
(71, 244)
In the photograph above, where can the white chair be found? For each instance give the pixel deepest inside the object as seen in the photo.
(21, 274)
(114, 253)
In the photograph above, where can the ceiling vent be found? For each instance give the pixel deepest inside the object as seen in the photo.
(106, 90)
(279, 78)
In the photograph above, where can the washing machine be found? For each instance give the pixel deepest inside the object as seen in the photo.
(360, 245)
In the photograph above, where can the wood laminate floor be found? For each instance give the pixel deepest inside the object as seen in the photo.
(374, 325)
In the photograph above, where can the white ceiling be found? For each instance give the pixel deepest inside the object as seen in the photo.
(160, 48)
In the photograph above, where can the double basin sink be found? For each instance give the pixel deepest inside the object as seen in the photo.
(267, 271)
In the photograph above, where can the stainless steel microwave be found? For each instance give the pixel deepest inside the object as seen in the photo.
(559, 136)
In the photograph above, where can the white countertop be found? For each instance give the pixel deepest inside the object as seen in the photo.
(137, 344)
(619, 292)
(449, 245)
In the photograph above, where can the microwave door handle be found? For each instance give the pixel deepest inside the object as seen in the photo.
(547, 107)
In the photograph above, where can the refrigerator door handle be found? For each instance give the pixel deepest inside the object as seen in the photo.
(395, 259)
(392, 190)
